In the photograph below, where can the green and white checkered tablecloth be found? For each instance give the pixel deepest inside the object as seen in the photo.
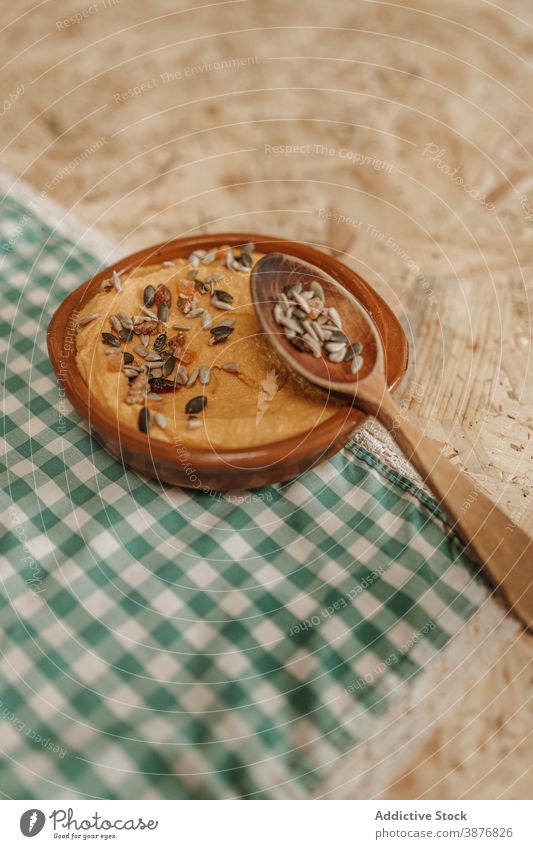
(162, 644)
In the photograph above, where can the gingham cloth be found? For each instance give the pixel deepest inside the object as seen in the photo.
(162, 644)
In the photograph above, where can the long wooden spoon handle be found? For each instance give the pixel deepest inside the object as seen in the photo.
(491, 537)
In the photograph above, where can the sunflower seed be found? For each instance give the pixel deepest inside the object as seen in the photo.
(160, 420)
(302, 302)
(125, 320)
(127, 357)
(317, 289)
(231, 367)
(153, 357)
(298, 342)
(168, 263)
(125, 335)
(279, 314)
(86, 319)
(109, 339)
(290, 291)
(153, 396)
(291, 324)
(116, 282)
(182, 376)
(335, 317)
(313, 344)
(149, 313)
(145, 339)
(114, 321)
(207, 320)
(210, 256)
(228, 322)
(180, 326)
(337, 356)
(194, 313)
(156, 372)
(221, 305)
(248, 248)
(335, 347)
(307, 325)
(109, 351)
(193, 376)
(338, 336)
(357, 362)
(141, 350)
(196, 405)
(229, 258)
(144, 420)
(202, 287)
(318, 330)
(299, 313)
(130, 372)
(204, 375)
(220, 334)
(193, 423)
(221, 295)
(162, 312)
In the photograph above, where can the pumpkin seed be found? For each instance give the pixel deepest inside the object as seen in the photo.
(162, 312)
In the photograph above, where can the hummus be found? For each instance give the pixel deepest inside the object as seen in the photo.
(258, 403)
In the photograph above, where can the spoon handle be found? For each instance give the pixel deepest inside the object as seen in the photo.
(491, 537)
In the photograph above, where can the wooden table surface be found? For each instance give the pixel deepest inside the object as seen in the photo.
(396, 134)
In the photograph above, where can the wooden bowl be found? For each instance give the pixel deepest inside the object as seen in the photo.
(203, 468)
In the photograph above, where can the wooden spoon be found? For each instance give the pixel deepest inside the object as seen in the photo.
(491, 537)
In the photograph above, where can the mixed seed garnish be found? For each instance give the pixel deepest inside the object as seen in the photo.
(313, 327)
(157, 363)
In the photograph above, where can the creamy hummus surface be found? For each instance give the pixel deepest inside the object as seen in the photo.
(257, 401)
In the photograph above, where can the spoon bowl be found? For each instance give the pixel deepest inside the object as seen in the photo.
(273, 274)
